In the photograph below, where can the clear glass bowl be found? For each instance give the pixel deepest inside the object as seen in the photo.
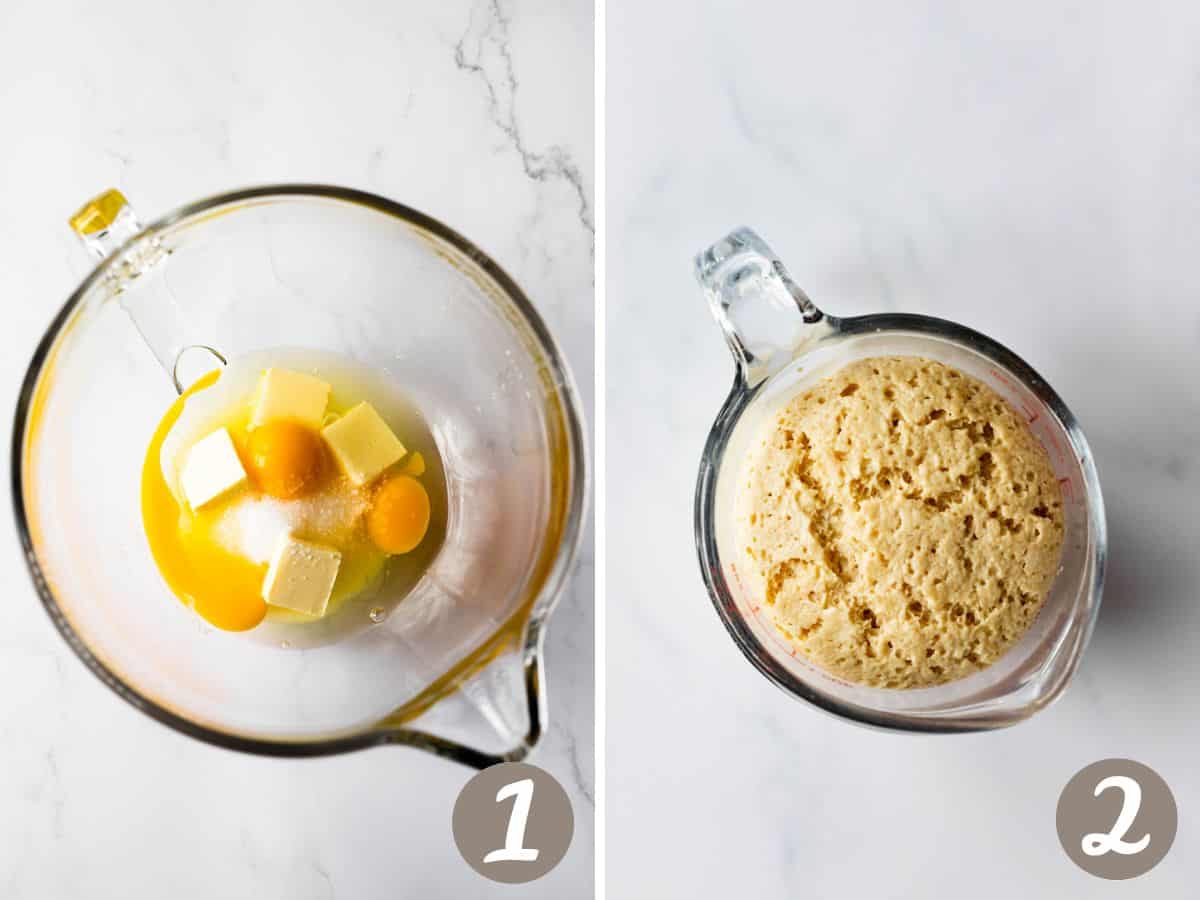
(782, 343)
(456, 667)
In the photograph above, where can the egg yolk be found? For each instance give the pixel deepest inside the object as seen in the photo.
(220, 586)
(285, 459)
(399, 515)
(413, 465)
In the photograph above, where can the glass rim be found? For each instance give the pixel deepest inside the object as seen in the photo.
(740, 397)
(532, 614)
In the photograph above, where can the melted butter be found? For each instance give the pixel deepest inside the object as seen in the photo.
(220, 586)
(225, 587)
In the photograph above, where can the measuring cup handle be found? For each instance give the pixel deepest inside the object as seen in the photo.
(767, 319)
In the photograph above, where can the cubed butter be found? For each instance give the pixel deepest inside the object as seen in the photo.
(362, 443)
(283, 394)
(301, 576)
(211, 470)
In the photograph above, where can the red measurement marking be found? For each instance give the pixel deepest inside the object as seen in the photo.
(736, 577)
(1057, 443)
(775, 637)
(1003, 379)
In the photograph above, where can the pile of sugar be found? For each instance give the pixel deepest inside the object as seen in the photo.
(900, 522)
(253, 524)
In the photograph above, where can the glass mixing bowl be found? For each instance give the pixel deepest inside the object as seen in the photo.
(781, 344)
(456, 667)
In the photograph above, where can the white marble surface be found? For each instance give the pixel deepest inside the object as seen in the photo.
(478, 113)
(1030, 169)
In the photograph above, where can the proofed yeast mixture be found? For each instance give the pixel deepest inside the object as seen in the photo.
(901, 523)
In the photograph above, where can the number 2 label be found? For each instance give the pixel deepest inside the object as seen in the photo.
(1107, 839)
(1099, 843)
(514, 849)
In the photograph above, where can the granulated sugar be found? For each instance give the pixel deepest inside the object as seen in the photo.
(252, 525)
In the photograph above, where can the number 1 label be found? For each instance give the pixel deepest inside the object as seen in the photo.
(514, 849)
(496, 803)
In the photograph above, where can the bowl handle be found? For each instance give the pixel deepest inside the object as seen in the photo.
(108, 227)
(767, 319)
(105, 222)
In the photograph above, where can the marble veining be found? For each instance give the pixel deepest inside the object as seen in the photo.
(484, 50)
(479, 113)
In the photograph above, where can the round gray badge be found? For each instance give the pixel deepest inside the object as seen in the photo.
(513, 822)
(1117, 818)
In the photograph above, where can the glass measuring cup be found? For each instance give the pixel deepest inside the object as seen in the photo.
(781, 344)
(456, 667)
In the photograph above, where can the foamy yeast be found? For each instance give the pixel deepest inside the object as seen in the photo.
(900, 522)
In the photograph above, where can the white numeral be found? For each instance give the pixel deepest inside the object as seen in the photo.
(1097, 844)
(514, 849)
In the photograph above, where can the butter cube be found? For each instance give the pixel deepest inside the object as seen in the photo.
(211, 470)
(362, 443)
(301, 575)
(290, 395)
